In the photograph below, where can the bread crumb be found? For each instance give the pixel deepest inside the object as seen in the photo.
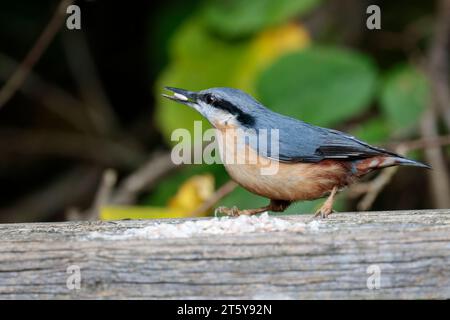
(214, 226)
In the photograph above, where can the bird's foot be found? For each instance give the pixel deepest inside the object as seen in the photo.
(231, 212)
(327, 208)
(324, 211)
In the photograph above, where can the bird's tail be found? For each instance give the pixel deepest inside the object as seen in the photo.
(408, 162)
(379, 162)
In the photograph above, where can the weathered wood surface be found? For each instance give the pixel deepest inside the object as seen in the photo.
(412, 250)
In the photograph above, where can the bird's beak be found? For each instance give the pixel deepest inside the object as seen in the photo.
(182, 96)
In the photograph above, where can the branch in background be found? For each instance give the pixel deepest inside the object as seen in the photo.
(143, 178)
(220, 193)
(103, 197)
(127, 192)
(439, 177)
(438, 60)
(102, 151)
(437, 68)
(407, 40)
(99, 109)
(373, 188)
(97, 105)
(69, 189)
(21, 73)
(54, 99)
(423, 143)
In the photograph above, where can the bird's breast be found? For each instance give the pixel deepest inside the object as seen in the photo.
(278, 180)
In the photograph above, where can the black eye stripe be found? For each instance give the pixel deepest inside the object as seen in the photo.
(222, 104)
(246, 119)
(227, 106)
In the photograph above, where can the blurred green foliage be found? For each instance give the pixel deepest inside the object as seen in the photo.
(325, 85)
(403, 98)
(374, 130)
(237, 18)
(198, 61)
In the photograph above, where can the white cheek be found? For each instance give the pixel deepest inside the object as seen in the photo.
(215, 116)
(205, 111)
(230, 119)
(223, 118)
(199, 108)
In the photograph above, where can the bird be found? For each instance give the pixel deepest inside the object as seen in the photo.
(312, 162)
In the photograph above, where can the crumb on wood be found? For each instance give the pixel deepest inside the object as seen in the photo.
(214, 226)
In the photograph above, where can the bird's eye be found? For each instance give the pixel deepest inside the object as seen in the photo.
(210, 99)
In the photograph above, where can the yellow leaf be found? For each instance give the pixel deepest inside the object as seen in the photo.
(266, 47)
(193, 193)
(189, 197)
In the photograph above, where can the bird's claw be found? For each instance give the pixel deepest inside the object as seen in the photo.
(327, 208)
(323, 212)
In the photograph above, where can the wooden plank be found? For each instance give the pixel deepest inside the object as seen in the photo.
(410, 248)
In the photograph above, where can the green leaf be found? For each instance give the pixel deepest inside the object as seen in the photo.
(323, 86)
(372, 131)
(238, 18)
(403, 97)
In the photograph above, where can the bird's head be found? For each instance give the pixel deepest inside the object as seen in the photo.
(223, 107)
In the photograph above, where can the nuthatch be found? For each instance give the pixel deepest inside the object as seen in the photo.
(313, 162)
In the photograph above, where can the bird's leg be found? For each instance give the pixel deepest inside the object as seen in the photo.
(274, 205)
(327, 207)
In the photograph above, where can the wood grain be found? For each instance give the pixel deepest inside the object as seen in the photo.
(411, 248)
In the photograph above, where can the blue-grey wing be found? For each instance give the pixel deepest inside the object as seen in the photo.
(302, 142)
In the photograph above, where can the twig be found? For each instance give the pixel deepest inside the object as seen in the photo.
(438, 61)
(99, 112)
(438, 176)
(440, 100)
(375, 186)
(220, 193)
(67, 190)
(46, 37)
(143, 178)
(423, 143)
(55, 99)
(407, 39)
(104, 193)
(83, 69)
(74, 145)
